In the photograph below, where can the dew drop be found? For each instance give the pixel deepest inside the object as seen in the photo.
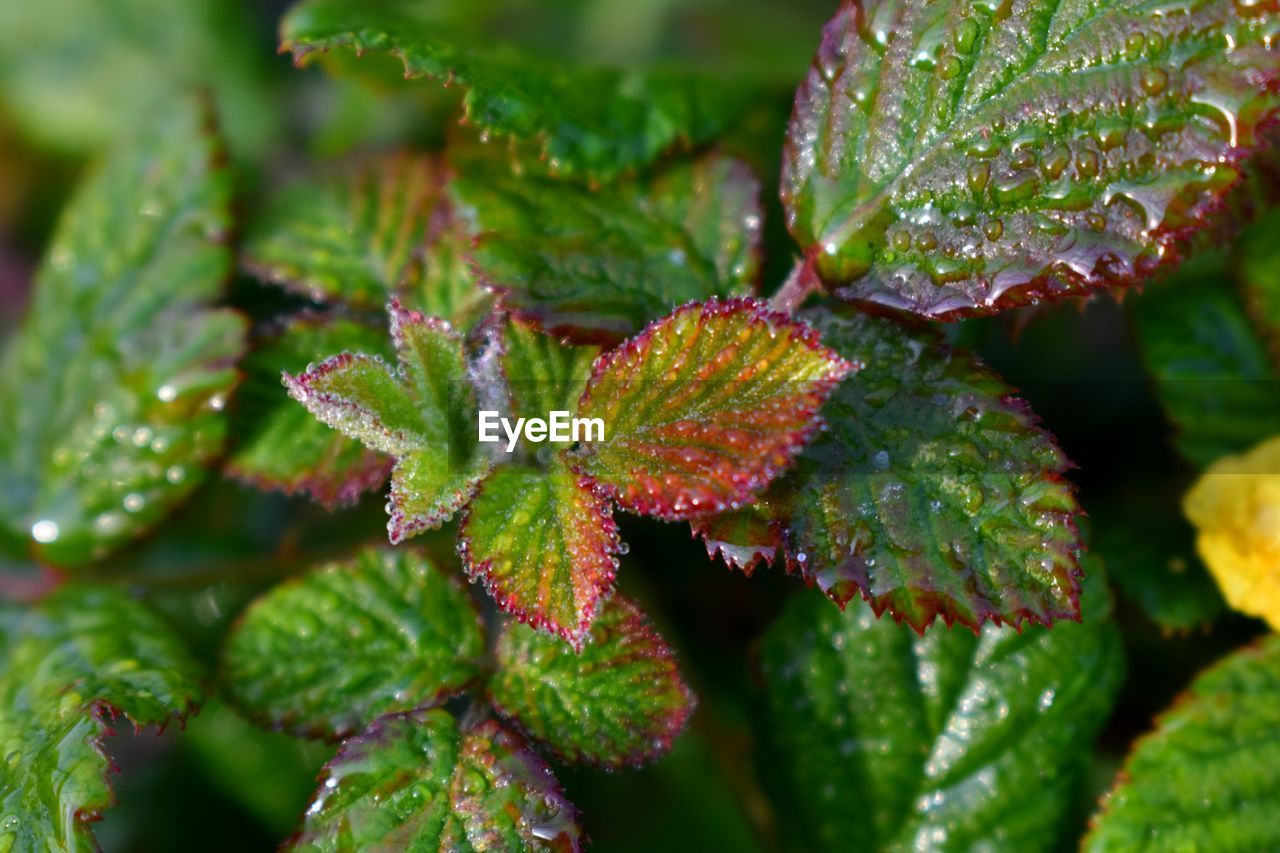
(978, 175)
(949, 67)
(1087, 164)
(901, 241)
(1095, 221)
(966, 35)
(1154, 81)
(926, 242)
(44, 531)
(993, 228)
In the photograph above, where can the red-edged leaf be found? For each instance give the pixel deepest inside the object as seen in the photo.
(544, 545)
(619, 701)
(422, 414)
(953, 158)
(744, 537)
(704, 407)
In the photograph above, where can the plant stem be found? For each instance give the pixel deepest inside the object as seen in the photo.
(800, 284)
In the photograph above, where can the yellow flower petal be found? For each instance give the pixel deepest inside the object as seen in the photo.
(1235, 507)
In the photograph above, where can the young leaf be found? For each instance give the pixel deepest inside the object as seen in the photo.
(544, 544)
(371, 229)
(326, 653)
(934, 490)
(73, 664)
(1234, 506)
(619, 701)
(541, 374)
(281, 445)
(413, 781)
(704, 408)
(742, 537)
(421, 414)
(600, 264)
(958, 159)
(972, 742)
(594, 121)
(1212, 374)
(1206, 777)
(112, 392)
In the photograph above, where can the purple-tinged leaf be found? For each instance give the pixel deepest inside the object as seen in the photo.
(422, 413)
(415, 781)
(704, 408)
(618, 701)
(544, 543)
(954, 159)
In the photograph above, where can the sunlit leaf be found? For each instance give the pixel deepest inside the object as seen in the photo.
(421, 413)
(83, 657)
(947, 740)
(1234, 507)
(595, 121)
(619, 701)
(934, 491)
(704, 408)
(1211, 370)
(280, 445)
(1207, 777)
(112, 393)
(601, 263)
(961, 158)
(370, 229)
(414, 781)
(326, 653)
(544, 544)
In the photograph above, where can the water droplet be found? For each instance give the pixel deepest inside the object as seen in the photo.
(1087, 164)
(966, 35)
(134, 502)
(949, 67)
(978, 175)
(881, 460)
(1056, 162)
(926, 242)
(1095, 221)
(1154, 81)
(901, 241)
(993, 228)
(167, 393)
(44, 531)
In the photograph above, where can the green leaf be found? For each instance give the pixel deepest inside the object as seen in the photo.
(704, 408)
(283, 447)
(1212, 375)
(1207, 777)
(541, 374)
(77, 74)
(954, 159)
(594, 121)
(619, 701)
(934, 490)
(544, 544)
(422, 414)
(324, 654)
(413, 781)
(1259, 272)
(72, 665)
(368, 230)
(600, 264)
(943, 740)
(112, 392)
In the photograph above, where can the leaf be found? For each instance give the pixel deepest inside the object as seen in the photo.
(76, 88)
(1234, 506)
(704, 408)
(283, 447)
(594, 121)
(620, 701)
(1160, 575)
(943, 740)
(414, 781)
(743, 537)
(1219, 737)
(600, 264)
(1259, 273)
(326, 653)
(1212, 375)
(934, 490)
(955, 159)
(112, 392)
(541, 374)
(544, 544)
(370, 229)
(421, 414)
(73, 664)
